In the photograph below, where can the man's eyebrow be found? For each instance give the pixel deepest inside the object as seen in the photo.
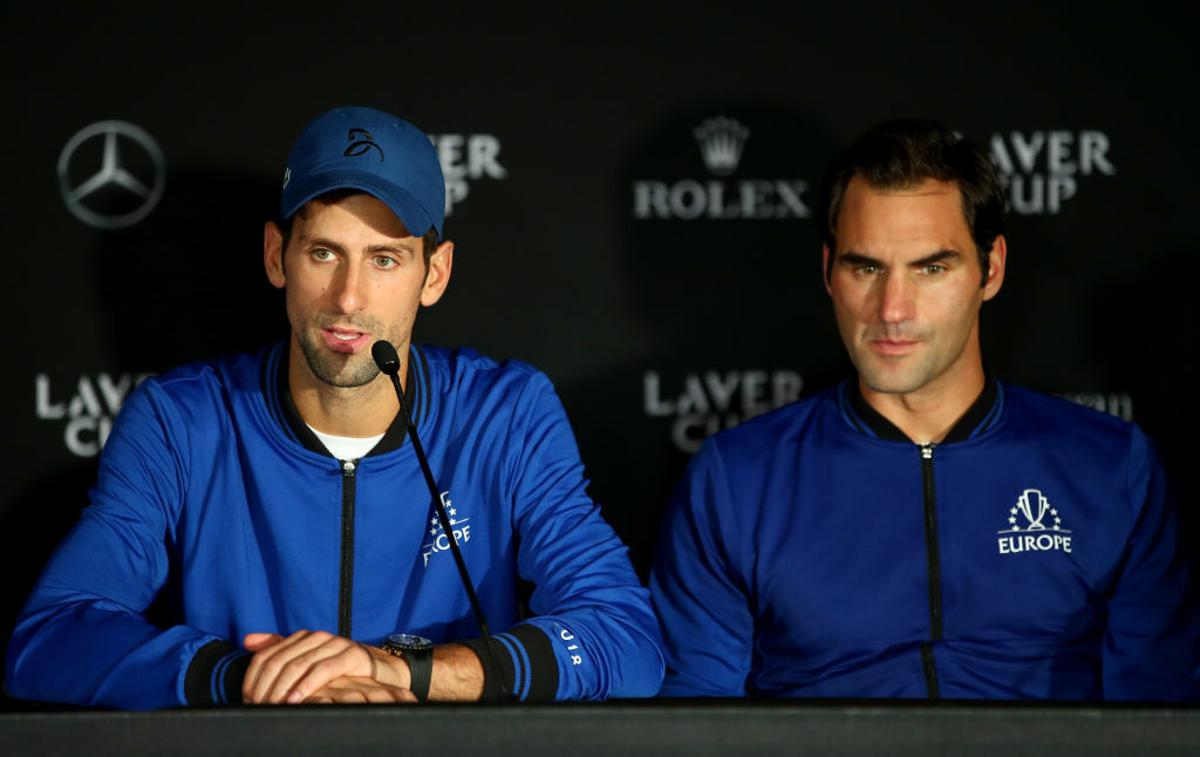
(404, 246)
(321, 242)
(941, 256)
(398, 247)
(856, 259)
(859, 259)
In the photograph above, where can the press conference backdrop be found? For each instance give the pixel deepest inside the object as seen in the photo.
(631, 191)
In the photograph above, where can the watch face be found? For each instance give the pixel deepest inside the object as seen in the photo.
(409, 641)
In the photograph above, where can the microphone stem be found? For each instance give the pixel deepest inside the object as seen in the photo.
(444, 519)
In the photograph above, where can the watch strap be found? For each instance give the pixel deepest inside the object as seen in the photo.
(420, 668)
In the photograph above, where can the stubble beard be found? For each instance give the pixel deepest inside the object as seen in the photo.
(342, 371)
(915, 372)
(876, 377)
(898, 375)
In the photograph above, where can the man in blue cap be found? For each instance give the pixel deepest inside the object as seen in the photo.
(276, 496)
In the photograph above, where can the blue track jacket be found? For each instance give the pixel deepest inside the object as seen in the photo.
(212, 490)
(817, 552)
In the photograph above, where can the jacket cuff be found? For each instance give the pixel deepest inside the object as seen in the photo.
(215, 674)
(526, 664)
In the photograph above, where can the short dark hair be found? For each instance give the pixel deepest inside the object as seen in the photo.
(429, 240)
(901, 154)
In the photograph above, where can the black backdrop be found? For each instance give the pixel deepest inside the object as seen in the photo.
(667, 291)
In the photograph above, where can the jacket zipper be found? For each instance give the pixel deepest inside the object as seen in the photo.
(935, 576)
(346, 583)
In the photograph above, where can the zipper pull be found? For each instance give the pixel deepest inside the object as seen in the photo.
(348, 467)
(926, 451)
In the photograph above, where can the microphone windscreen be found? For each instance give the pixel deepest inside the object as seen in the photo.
(386, 357)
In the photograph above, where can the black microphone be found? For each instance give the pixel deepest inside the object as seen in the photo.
(389, 363)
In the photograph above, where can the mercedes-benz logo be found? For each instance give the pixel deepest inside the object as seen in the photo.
(126, 185)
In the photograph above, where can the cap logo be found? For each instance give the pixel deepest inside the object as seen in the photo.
(361, 143)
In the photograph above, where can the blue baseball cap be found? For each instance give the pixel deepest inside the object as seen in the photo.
(367, 149)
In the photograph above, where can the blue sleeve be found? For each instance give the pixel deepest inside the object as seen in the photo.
(82, 637)
(594, 635)
(698, 586)
(1152, 643)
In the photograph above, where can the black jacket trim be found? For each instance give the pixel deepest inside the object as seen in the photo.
(848, 414)
(492, 676)
(421, 384)
(976, 414)
(295, 425)
(393, 438)
(870, 417)
(962, 429)
(215, 674)
(541, 683)
(527, 665)
(993, 415)
(283, 408)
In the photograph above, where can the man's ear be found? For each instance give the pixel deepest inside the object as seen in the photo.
(825, 267)
(273, 254)
(437, 276)
(997, 258)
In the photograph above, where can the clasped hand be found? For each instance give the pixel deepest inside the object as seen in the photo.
(319, 667)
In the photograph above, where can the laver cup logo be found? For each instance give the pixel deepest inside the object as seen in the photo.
(86, 408)
(111, 174)
(1116, 404)
(1044, 169)
(1034, 526)
(705, 402)
(720, 248)
(466, 159)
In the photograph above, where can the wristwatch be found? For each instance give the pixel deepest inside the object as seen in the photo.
(417, 651)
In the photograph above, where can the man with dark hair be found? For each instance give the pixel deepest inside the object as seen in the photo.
(924, 530)
(901, 154)
(277, 501)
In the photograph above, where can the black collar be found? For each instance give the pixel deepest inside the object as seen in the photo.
(275, 388)
(980, 416)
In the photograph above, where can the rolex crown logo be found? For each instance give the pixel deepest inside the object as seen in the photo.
(721, 141)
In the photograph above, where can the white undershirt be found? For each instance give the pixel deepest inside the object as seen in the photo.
(347, 447)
